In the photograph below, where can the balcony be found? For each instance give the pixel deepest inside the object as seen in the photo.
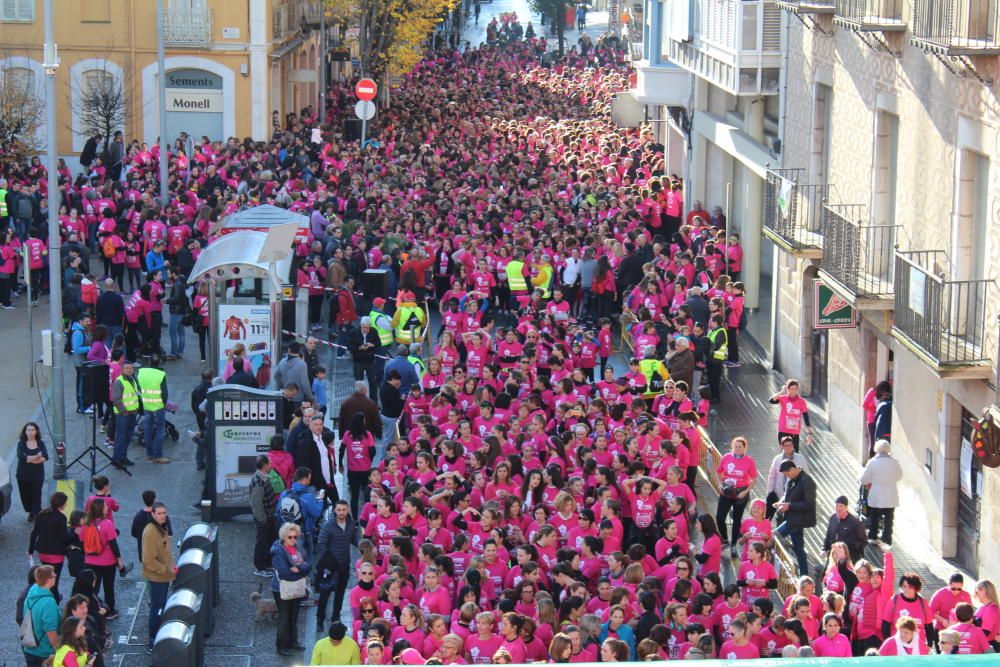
(793, 213)
(311, 14)
(187, 27)
(941, 321)
(857, 258)
(286, 21)
(956, 27)
(661, 83)
(807, 6)
(870, 15)
(736, 45)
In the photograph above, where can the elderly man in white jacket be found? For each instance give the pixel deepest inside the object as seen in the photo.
(880, 477)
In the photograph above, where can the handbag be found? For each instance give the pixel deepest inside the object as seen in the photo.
(189, 319)
(293, 590)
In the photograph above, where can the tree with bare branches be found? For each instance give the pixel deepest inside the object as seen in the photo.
(102, 103)
(21, 116)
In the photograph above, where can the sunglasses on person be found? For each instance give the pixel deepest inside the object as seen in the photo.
(367, 611)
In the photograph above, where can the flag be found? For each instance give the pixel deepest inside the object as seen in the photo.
(784, 195)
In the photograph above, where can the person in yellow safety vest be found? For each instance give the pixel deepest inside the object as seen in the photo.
(127, 405)
(409, 320)
(718, 352)
(543, 276)
(516, 281)
(3, 202)
(153, 389)
(381, 323)
(654, 371)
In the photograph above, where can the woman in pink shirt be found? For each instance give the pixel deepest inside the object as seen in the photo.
(906, 641)
(989, 610)
(737, 473)
(739, 647)
(832, 643)
(101, 552)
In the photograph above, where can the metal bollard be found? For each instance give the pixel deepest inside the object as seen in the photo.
(194, 571)
(174, 646)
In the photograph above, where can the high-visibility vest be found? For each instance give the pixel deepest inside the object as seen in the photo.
(130, 396)
(651, 368)
(3, 203)
(515, 277)
(546, 271)
(722, 353)
(418, 365)
(151, 388)
(406, 313)
(384, 335)
(60, 657)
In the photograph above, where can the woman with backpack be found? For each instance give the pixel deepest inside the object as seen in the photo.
(101, 552)
(358, 447)
(50, 536)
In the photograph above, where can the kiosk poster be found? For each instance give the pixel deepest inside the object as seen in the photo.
(251, 326)
(242, 422)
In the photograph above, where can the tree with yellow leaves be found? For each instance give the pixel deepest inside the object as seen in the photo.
(392, 32)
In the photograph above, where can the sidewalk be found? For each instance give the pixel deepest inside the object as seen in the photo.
(745, 411)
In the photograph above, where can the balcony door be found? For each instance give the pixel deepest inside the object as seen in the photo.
(970, 247)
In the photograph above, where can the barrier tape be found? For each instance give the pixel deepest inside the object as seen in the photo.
(326, 342)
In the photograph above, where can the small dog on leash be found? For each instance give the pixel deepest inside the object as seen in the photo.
(263, 607)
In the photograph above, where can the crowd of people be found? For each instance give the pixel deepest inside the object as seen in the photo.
(514, 495)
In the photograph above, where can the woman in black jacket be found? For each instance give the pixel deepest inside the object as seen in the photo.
(31, 458)
(50, 536)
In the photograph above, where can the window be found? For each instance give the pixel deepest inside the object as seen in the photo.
(20, 78)
(97, 80)
(17, 10)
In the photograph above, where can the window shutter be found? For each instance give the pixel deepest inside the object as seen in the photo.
(24, 10)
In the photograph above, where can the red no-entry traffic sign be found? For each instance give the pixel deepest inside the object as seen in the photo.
(366, 89)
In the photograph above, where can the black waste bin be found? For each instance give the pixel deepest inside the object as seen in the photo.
(194, 571)
(185, 605)
(175, 646)
(205, 537)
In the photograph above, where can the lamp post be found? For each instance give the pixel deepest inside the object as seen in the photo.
(161, 75)
(56, 389)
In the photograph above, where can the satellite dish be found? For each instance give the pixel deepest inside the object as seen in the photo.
(626, 111)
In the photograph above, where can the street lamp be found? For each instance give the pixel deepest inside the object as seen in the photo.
(56, 389)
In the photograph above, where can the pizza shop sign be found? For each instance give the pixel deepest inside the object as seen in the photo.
(830, 310)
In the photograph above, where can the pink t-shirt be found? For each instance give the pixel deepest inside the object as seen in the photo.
(731, 651)
(790, 416)
(838, 647)
(480, 651)
(739, 472)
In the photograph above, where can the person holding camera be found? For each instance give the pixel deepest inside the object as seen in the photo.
(737, 472)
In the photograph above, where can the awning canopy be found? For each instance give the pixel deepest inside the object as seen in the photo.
(243, 254)
(284, 228)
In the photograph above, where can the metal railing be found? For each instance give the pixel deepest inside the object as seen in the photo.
(794, 211)
(786, 565)
(859, 256)
(187, 26)
(944, 318)
(807, 6)
(957, 26)
(871, 12)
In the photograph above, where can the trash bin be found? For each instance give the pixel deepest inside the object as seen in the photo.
(174, 646)
(194, 571)
(205, 537)
(184, 605)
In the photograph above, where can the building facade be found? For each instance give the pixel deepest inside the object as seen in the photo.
(853, 144)
(887, 196)
(721, 122)
(229, 65)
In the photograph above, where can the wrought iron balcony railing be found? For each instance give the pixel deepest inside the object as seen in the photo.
(856, 255)
(190, 27)
(807, 6)
(957, 27)
(945, 319)
(870, 15)
(793, 211)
